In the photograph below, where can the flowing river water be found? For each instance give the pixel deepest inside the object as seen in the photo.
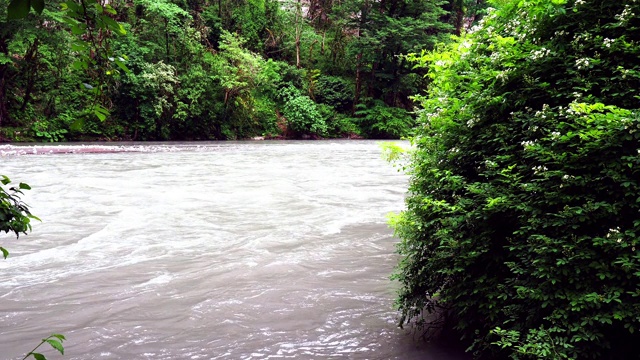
(240, 250)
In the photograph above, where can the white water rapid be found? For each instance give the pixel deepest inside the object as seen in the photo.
(241, 250)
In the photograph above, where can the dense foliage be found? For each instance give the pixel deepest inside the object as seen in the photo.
(522, 228)
(175, 69)
(15, 216)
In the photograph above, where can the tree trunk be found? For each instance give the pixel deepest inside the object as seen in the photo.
(298, 31)
(166, 38)
(31, 62)
(311, 52)
(459, 21)
(356, 97)
(4, 112)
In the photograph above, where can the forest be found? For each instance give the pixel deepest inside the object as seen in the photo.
(216, 70)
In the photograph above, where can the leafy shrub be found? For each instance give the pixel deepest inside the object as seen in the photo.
(523, 220)
(15, 216)
(341, 125)
(379, 121)
(276, 75)
(303, 117)
(149, 100)
(43, 131)
(265, 115)
(334, 91)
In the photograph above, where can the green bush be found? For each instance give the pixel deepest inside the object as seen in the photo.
(15, 216)
(523, 218)
(380, 121)
(148, 101)
(340, 125)
(334, 91)
(303, 117)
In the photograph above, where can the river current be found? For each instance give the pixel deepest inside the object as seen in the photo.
(240, 250)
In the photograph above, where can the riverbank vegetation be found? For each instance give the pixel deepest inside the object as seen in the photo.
(522, 228)
(199, 69)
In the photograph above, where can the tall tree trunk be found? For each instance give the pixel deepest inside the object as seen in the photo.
(356, 97)
(4, 112)
(298, 31)
(459, 20)
(31, 62)
(166, 38)
(311, 52)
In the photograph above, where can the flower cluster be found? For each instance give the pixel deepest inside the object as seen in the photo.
(539, 54)
(608, 42)
(626, 14)
(582, 63)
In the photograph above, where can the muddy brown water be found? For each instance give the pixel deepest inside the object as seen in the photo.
(247, 250)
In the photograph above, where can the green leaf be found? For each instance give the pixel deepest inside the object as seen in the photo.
(79, 47)
(101, 112)
(111, 24)
(24, 186)
(122, 66)
(5, 253)
(59, 336)
(38, 356)
(37, 5)
(71, 6)
(69, 21)
(110, 10)
(80, 65)
(78, 29)
(56, 345)
(5, 180)
(77, 125)
(18, 9)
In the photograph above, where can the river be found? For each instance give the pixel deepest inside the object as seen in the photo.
(233, 250)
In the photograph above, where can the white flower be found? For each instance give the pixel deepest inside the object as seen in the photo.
(582, 63)
(614, 232)
(540, 53)
(503, 76)
(538, 169)
(608, 42)
(626, 14)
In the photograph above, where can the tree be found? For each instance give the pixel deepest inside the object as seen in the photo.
(386, 30)
(523, 219)
(172, 18)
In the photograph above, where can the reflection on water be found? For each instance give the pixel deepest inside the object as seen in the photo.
(260, 250)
